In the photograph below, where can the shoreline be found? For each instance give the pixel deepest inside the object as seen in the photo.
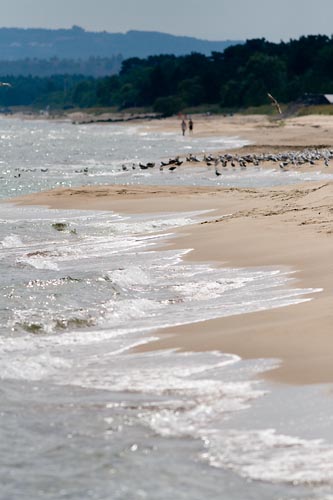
(282, 227)
(285, 226)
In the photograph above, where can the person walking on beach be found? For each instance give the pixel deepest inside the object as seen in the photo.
(190, 126)
(184, 126)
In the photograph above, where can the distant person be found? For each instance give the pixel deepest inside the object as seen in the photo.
(190, 126)
(184, 126)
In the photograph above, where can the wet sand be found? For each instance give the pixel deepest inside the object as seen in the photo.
(288, 226)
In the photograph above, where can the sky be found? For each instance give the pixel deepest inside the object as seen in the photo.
(274, 20)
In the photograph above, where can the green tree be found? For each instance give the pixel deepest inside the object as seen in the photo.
(84, 94)
(191, 91)
(168, 106)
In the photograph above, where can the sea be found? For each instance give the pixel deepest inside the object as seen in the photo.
(83, 414)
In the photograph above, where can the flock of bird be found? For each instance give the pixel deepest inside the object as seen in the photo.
(284, 160)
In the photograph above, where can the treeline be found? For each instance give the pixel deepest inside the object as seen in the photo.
(92, 66)
(239, 77)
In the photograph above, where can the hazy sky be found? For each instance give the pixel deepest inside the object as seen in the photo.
(210, 19)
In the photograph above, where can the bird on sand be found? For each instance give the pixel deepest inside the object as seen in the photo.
(175, 161)
(147, 165)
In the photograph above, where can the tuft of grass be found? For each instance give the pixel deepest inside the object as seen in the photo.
(264, 109)
(320, 109)
(214, 109)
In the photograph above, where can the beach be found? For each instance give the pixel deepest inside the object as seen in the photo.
(286, 226)
(166, 332)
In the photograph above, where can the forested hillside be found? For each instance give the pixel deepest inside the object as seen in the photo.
(93, 66)
(239, 77)
(77, 43)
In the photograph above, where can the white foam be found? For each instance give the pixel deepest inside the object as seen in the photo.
(35, 367)
(267, 456)
(38, 262)
(132, 275)
(11, 241)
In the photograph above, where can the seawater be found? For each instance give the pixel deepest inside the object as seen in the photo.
(85, 416)
(38, 155)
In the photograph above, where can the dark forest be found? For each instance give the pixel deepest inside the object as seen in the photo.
(237, 78)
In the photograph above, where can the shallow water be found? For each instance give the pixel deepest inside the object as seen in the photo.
(82, 415)
(39, 155)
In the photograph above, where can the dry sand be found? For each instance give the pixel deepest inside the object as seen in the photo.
(286, 226)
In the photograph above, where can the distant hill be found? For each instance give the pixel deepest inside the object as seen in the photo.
(93, 66)
(76, 43)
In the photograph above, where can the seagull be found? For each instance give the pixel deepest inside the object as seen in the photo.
(5, 84)
(192, 158)
(174, 160)
(275, 103)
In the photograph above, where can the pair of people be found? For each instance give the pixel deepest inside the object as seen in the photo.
(184, 126)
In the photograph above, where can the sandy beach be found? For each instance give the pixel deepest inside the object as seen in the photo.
(289, 227)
